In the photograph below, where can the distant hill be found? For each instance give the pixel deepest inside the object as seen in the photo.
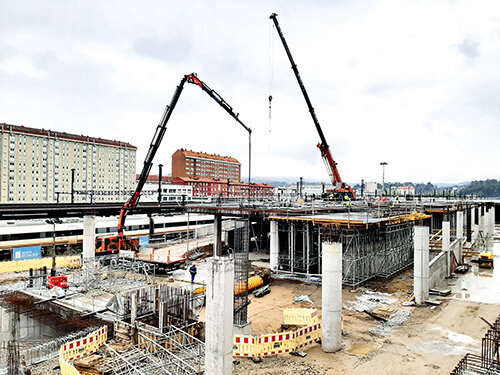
(486, 188)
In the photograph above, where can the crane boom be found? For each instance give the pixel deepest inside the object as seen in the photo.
(330, 164)
(158, 137)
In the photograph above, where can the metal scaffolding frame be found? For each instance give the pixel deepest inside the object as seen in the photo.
(367, 251)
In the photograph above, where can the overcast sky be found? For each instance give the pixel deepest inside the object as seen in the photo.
(413, 83)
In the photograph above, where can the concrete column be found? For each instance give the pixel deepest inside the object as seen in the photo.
(217, 235)
(219, 317)
(161, 315)
(274, 242)
(475, 232)
(492, 220)
(421, 265)
(460, 224)
(88, 237)
(331, 290)
(482, 226)
(133, 307)
(446, 246)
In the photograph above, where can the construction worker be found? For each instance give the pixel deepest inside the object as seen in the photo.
(347, 200)
(192, 271)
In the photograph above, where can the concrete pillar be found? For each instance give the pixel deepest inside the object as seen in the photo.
(331, 290)
(219, 317)
(482, 227)
(161, 315)
(421, 265)
(88, 237)
(446, 246)
(133, 307)
(460, 224)
(217, 235)
(274, 242)
(492, 220)
(475, 232)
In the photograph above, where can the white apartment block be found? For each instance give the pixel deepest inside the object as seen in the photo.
(170, 193)
(36, 166)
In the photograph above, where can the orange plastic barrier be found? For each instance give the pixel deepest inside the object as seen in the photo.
(276, 343)
(81, 348)
(300, 317)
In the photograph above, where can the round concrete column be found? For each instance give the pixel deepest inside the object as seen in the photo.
(331, 325)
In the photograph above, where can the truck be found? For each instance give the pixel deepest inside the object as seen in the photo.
(114, 244)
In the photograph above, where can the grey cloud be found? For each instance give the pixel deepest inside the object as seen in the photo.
(469, 48)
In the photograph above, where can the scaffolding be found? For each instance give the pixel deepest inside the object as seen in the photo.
(367, 251)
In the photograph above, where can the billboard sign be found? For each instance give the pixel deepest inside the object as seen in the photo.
(27, 252)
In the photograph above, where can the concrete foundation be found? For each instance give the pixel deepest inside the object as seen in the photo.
(88, 237)
(219, 317)
(421, 265)
(331, 297)
(274, 245)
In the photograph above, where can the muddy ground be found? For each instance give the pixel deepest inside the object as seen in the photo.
(431, 341)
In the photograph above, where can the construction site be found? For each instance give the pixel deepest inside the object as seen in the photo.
(407, 293)
(339, 283)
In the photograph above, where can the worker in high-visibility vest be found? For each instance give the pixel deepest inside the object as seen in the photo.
(347, 200)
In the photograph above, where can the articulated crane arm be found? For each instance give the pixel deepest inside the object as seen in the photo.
(330, 164)
(158, 137)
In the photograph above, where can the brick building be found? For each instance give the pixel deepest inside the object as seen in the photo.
(186, 163)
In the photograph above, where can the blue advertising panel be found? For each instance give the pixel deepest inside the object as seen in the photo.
(144, 241)
(28, 252)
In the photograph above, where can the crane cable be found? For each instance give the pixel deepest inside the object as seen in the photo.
(271, 58)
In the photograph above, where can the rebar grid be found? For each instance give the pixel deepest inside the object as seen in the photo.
(241, 264)
(173, 353)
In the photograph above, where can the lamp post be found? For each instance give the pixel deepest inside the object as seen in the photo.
(383, 164)
(53, 222)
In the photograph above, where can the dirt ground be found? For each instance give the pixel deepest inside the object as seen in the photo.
(431, 341)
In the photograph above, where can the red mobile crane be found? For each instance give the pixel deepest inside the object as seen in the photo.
(113, 244)
(340, 189)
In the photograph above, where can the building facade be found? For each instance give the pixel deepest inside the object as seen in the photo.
(38, 165)
(186, 163)
(211, 188)
(170, 191)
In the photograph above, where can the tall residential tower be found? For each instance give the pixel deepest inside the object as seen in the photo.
(36, 166)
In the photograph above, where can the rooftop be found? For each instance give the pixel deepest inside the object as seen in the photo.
(63, 135)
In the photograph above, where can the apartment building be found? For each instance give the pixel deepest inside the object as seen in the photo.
(186, 163)
(36, 165)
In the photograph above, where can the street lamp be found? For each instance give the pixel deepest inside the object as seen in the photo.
(383, 164)
(53, 222)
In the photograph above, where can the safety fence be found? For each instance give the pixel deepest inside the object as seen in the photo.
(80, 348)
(24, 265)
(300, 317)
(281, 342)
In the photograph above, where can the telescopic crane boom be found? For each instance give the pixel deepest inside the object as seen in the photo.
(157, 138)
(339, 188)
